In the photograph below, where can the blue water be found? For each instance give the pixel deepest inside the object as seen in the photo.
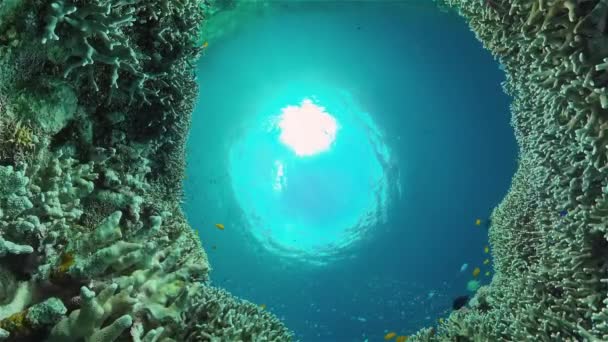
(415, 88)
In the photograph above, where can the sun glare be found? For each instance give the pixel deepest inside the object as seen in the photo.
(303, 195)
(307, 129)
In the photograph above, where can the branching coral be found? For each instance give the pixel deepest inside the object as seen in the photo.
(93, 243)
(551, 279)
(88, 321)
(215, 315)
(93, 33)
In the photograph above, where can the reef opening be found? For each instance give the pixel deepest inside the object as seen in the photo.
(309, 173)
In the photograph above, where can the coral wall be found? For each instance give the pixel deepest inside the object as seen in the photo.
(549, 235)
(95, 104)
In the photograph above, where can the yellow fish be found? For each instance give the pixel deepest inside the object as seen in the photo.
(401, 338)
(476, 272)
(263, 306)
(440, 320)
(219, 226)
(487, 261)
(486, 249)
(389, 336)
(205, 44)
(487, 273)
(478, 222)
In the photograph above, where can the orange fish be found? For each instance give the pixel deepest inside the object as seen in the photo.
(205, 44)
(476, 272)
(401, 338)
(389, 336)
(487, 261)
(486, 249)
(219, 226)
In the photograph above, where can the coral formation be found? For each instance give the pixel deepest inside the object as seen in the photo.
(95, 103)
(550, 234)
(215, 314)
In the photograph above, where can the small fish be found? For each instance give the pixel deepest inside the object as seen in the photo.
(464, 267)
(487, 273)
(473, 285)
(486, 249)
(389, 336)
(563, 213)
(263, 306)
(487, 261)
(478, 222)
(401, 338)
(214, 247)
(205, 44)
(459, 302)
(440, 320)
(476, 272)
(219, 226)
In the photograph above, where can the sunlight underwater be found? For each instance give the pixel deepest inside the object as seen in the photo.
(312, 174)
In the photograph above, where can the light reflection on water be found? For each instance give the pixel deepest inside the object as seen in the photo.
(310, 193)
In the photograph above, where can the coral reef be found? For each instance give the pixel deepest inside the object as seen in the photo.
(550, 233)
(95, 103)
(215, 314)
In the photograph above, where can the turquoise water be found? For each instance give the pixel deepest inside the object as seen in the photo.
(368, 233)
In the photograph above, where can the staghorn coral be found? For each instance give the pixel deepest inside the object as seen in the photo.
(551, 271)
(93, 34)
(94, 37)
